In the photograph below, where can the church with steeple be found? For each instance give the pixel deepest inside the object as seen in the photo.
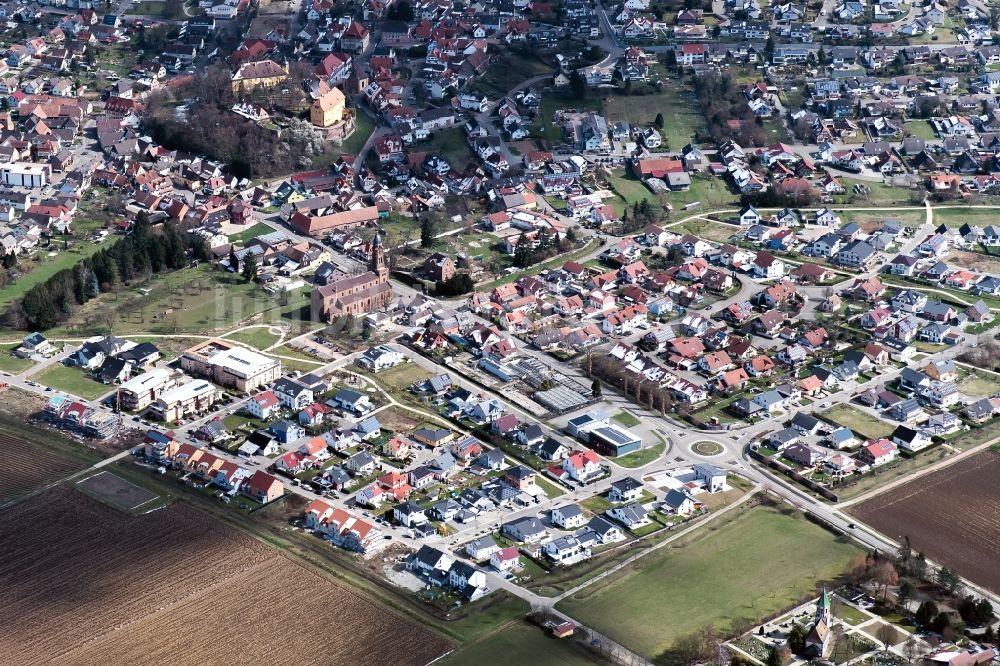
(355, 294)
(818, 642)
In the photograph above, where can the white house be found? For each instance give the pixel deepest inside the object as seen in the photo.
(263, 406)
(292, 394)
(380, 358)
(568, 517)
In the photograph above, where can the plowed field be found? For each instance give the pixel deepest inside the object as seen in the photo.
(25, 467)
(952, 515)
(81, 583)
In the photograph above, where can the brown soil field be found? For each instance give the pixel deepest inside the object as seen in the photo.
(976, 261)
(952, 515)
(25, 467)
(81, 583)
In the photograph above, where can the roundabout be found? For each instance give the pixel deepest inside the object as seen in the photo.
(706, 448)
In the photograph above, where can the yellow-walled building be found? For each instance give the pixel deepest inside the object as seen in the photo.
(328, 109)
(265, 73)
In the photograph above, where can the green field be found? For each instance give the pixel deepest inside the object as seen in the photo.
(401, 376)
(626, 419)
(10, 363)
(720, 232)
(258, 338)
(258, 229)
(642, 456)
(759, 562)
(71, 380)
(364, 126)
(863, 423)
(507, 71)
(191, 300)
(920, 129)
(881, 194)
(675, 101)
(959, 215)
(522, 643)
(978, 383)
(550, 104)
(449, 144)
(42, 268)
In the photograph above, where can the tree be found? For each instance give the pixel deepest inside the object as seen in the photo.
(920, 566)
(250, 268)
(925, 613)
(948, 579)
(458, 284)
(659, 122)
(778, 656)
(886, 634)
(595, 388)
(797, 639)
(687, 650)
(428, 230)
(577, 85)
(401, 11)
(885, 576)
(906, 592)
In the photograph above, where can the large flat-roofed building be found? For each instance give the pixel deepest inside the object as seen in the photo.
(610, 440)
(140, 391)
(230, 365)
(190, 398)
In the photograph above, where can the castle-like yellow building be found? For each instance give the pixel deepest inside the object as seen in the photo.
(328, 109)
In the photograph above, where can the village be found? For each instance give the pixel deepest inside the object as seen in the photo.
(492, 301)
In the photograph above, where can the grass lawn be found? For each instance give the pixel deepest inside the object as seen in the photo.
(522, 643)
(507, 71)
(712, 577)
(978, 383)
(676, 102)
(299, 361)
(258, 229)
(551, 489)
(45, 268)
(626, 419)
(959, 215)
(642, 456)
(258, 338)
(880, 193)
(449, 144)
(552, 103)
(711, 192)
(71, 380)
(848, 613)
(10, 363)
(558, 260)
(401, 376)
(364, 126)
(864, 424)
(630, 189)
(191, 300)
(707, 448)
(597, 504)
(713, 231)
(870, 220)
(921, 129)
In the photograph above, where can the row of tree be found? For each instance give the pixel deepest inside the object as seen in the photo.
(549, 245)
(142, 253)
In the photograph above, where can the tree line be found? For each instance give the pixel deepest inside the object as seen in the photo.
(142, 253)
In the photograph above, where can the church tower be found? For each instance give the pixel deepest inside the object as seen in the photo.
(377, 265)
(824, 608)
